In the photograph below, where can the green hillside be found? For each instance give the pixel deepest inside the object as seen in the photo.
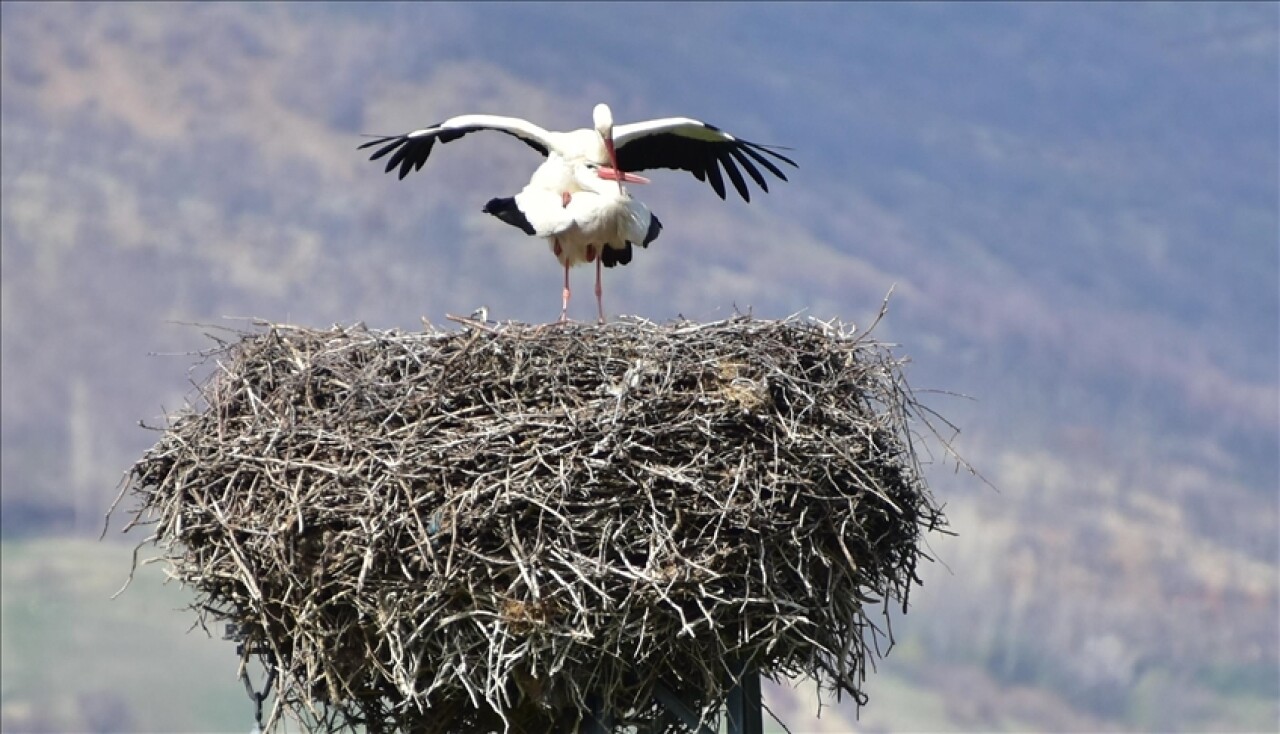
(76, 660)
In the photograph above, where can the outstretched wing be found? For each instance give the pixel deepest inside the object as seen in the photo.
(410, 151)
(697, 147)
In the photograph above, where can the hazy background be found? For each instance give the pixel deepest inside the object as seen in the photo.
(1077, 206)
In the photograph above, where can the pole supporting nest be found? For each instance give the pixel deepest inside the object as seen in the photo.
(243, 651)
(744, 703)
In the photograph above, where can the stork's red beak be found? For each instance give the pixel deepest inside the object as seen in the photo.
(613, 153)
(613, 174)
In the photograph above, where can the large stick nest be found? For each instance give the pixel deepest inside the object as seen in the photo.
(501, 526)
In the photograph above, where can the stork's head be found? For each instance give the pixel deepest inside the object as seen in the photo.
(602, 116)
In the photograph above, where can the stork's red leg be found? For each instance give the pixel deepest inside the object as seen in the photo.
(564, 302)
(599, 290)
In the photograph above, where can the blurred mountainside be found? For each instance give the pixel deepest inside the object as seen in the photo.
(1077, 211)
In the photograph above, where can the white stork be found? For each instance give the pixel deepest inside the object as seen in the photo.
(671, 142)
(588, 222)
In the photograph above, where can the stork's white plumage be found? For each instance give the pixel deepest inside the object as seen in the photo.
(673, 142)
(582, 218)
(565, 201)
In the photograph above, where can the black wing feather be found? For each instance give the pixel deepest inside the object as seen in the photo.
(411, 153)
(735, 176)
(506, 210)
(767, 163)
(407, 162)
(703, 158)
(713, 173)
(750, 169)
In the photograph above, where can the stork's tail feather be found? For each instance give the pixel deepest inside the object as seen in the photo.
(506, 210)
(655, 227)
(610, 256)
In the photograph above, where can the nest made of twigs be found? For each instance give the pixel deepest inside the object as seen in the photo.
(495, 526)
